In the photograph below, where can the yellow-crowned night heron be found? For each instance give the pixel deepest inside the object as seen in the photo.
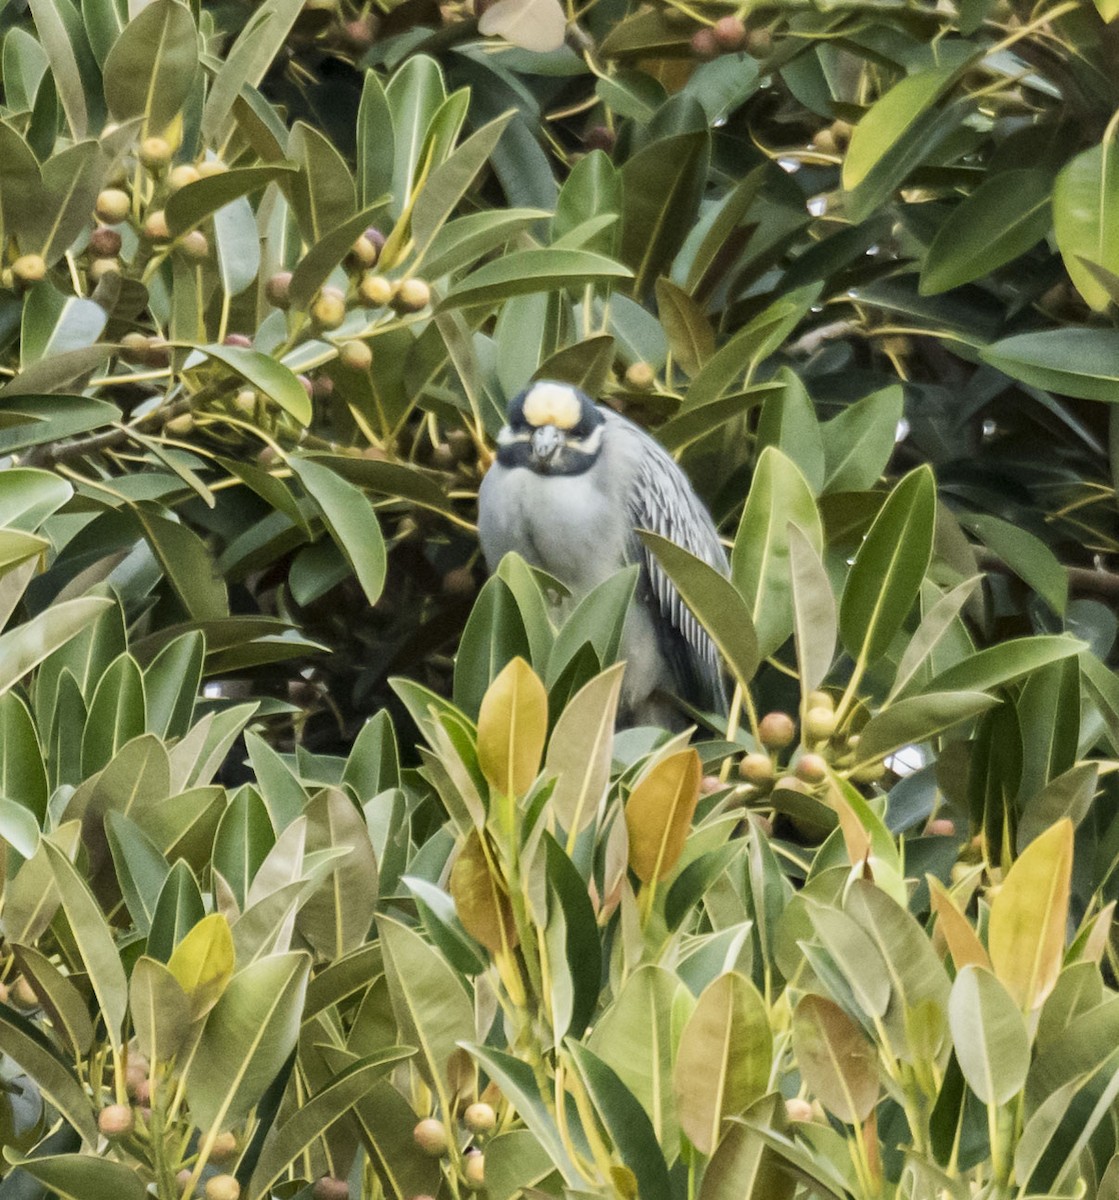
(571, 484)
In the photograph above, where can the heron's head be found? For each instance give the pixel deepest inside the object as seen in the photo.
(551, 428)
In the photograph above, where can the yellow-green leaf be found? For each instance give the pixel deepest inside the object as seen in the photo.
(659, 814)
(836, 1061)
(481, 899)
(724, 1059)
(1026, 933)
(581, 748)
(512, 725)
(203, 963)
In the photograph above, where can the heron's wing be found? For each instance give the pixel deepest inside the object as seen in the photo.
(662, 501)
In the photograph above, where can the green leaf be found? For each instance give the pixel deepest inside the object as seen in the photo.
(160, 1010)
(414, 95)
(1000, 220)
(1001, 663)
(636, 1036)
(432, 1010)
(191, 205)
(375, 142)
(350, 519)
(935, 625)
(888, 568)
(94, 942)
(779, 498)
(989, 1034)
(116, 713)
(64, 1004)
(27, 645)
(1085, 215)
(743, 1167)
(580, 750)
(23, 776)
(724, 1058)
(449, 182)
(316, 1114)
(1026, 555)
(314, 268)
(140, 867)
(526, 271)
(1073, 361)
(662, 185)
(918, 719)
(187, 561)
(859, 441)
(690, 335)
(270, 377)
(247, 60)
(788, 423)
(71, 181)
(518, 1083)
(26, 1045)
(626, 1123)
(814, 612)
(493, 636)
(55, 36)
(895, 133)
(336, 917)
(85, 1177)
(150, 71)
(836, 1061)
(715, 602)
(246, 1039)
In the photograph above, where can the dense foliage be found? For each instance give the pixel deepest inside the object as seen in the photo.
(324, 871)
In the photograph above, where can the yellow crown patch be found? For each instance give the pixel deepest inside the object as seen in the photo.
(553, 404)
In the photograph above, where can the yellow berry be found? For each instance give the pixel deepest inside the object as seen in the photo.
(194, 245)
(112, 206)
(212, 166)
(412, 295)
(640, 377)
(155, 153)
(222, 1187)
(180, 425)
(431, 1137)
(224, 1148)
(757, 769)
(376, 289)
(474, 1171)
(819, 724)
(479, 1118)
(100, 267)
(363, 253)
(798, 1110)
(245, 401)
(329, 309)
(180, 176)
(155, 227)
(29, 268)
(355, 355)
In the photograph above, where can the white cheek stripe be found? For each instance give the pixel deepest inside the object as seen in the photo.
(506, 437)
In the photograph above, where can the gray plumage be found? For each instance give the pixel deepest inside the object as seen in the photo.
(570, 500)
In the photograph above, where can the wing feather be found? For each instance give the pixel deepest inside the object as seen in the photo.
(663, 502)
